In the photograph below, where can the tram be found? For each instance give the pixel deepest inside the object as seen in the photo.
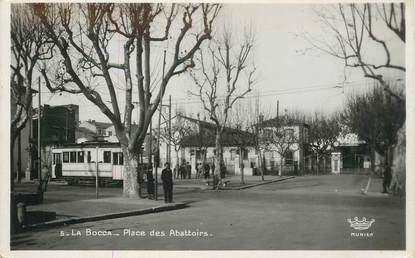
(86, 161)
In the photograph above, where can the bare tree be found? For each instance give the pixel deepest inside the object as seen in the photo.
(363, 34)
(224, 68)
(180, 129)
(323, 133)
(88, 48)
(279, 135)
(243, 131)
(29, 45)
(356, 34)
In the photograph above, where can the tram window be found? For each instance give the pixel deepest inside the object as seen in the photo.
(80, 157)
(120, 158)
(72, 157)
(65, 157)
(115, 158)
(89, 157)
(107, 156)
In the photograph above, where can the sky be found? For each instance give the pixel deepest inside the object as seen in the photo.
(289, 69)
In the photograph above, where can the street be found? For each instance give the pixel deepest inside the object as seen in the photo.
(303, 213)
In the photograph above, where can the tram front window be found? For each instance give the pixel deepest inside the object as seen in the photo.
(107, 156)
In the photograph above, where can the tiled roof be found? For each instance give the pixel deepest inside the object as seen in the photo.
(206, 136)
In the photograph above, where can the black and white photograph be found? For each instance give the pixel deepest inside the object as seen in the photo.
(203, 126)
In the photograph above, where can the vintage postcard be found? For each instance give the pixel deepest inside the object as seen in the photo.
(214, 129)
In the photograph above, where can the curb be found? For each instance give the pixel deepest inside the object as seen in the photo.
(77, 220)
(258, 184)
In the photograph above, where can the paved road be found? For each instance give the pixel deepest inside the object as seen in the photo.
(301, 213)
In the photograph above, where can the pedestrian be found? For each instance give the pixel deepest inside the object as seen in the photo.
(182, 171)
(213, 168)
(45, 178)
(222, 171)
(167, 178)
(150, 184)
(387, 177)
(207, 168)
(176, 171)
(188, 170)
(199, 170)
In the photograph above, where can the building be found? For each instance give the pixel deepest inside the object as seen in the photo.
(356, 155)
(283, 145)
(58, 126)
(198, 146)
(91, 130)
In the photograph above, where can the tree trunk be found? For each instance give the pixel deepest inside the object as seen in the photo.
(260, 166)
(218, 157)
(19, 157)
(398, 163)
(131, 187)
(241, 165)
(177, 158)
(280, 170)
(372, 161)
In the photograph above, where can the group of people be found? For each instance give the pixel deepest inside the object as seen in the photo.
(183, 171)
(166, 178)
(204, 170)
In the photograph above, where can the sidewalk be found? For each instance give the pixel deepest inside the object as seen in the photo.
(81, 211)
(65, 205)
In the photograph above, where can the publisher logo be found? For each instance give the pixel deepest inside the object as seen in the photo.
(362, 224)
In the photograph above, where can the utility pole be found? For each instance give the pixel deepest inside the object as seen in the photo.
(278, 112)
(96, 174)
(30, 139)
(150, 146)
(158, 128)
(169, 141)
(39, 147)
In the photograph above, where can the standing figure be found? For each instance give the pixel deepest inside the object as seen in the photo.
(150, 184)
(199, 171)
(167, 178)
(207, 168)
(176, 171)
(188, 170)
(387, 177)
(182, 171)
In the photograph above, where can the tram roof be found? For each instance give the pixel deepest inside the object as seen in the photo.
(88, 145)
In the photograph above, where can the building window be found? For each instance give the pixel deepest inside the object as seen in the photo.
(200, 154)
(289, 133)
(117, 158)
(109, 133)
(72, 157)
(233, 154)
(107, 156)
(288, 158)
(244, 154)
(65, 157)
(80, 157)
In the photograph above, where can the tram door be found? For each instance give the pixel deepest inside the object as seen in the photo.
(117, 165)
(57, 165)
